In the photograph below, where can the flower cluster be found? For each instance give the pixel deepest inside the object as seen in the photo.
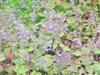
(49, 37)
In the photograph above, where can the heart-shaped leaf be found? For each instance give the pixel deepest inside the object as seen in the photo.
(2, 57)
(35, 73)
(97, 51)
(59, 8)
(77, 53)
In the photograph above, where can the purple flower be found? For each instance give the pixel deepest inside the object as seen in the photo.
(22, 34)
(18, 23)
(77, 42)
(33, 16)
(62, 17)
(60, 59)
(64, 28)
(4, 35)
(91, 17)
(19, 26)
(68, 56)
(49, 25)
(52, 14)
(64, 54)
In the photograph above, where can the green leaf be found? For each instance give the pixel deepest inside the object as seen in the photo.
(69, 20)
(29, 49)
(97, 51)
(9, 69)
(76, 2)
(59, 8)
(2, 57)
(40, 12)
(61, 34)
(98, 71)
(56, 42)
(23, 68)
(27, 1)
(16, 69)
(7, 48)
(20, 69)
(1, 68)
(70, 29)
(26, 21)
(39, 19)
(90, 69)
(97, 67)
(77, 53)
(54, 70)
(85, 37)
(35, 73)
(68, 1)
(66, 48)
(49, 59)
(39, 53)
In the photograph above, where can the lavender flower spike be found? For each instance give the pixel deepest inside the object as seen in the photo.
(51, 14)
(68, 56)
(33, 16)
(4, 35)
(49, 25)
(22, 34)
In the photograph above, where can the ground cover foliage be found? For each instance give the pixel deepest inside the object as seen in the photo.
(49, 37)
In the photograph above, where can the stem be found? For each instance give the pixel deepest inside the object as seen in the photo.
(76, 2)
(94, 21)
(98, 6)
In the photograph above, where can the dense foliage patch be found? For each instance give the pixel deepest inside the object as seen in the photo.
(49, 37)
